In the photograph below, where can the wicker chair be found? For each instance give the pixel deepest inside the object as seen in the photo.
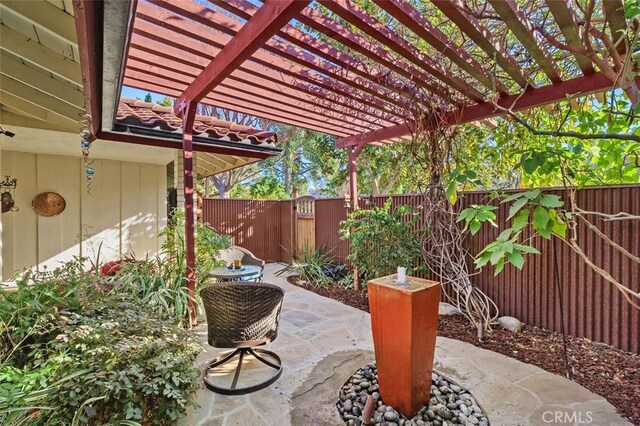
(242, 316)
(247, 258)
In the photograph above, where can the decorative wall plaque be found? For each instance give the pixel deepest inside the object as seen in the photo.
(48, 204)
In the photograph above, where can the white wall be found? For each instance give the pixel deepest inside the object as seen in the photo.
(124, 213)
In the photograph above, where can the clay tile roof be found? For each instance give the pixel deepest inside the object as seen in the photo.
(145, 114)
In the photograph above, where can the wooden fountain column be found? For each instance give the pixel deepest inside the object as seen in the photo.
(404, 321)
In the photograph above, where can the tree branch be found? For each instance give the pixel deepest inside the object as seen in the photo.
(569, 134)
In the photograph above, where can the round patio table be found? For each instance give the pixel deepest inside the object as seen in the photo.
(246, 273)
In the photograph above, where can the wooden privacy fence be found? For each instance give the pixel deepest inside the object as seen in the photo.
(593, 308)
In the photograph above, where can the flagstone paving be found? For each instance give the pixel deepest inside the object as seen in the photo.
(322, 342)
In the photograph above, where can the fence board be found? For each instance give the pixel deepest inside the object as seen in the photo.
(252, 224)
(592, 307)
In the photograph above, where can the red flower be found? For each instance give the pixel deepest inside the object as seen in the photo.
(112, 268)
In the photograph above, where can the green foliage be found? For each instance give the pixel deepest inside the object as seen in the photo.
(264, 188)
(81, 348)
(166, 101)
(382, 239)
(475, 215)
(459, 177)
(543, 160)
(533, 207)
(311, 266)
(141, 363)
(207, 243)
(632, 9)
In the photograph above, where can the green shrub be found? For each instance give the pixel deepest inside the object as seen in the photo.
(207, 244)
(381, 239)
(141, 366)
(80, 348)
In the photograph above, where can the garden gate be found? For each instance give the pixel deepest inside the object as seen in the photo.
(305, 229)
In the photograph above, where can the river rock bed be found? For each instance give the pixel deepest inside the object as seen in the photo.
(449, 404)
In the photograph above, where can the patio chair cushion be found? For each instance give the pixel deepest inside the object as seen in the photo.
(241, 314)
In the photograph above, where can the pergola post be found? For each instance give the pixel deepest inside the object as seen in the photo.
(354, 153)
(267, 21)
(189, 225)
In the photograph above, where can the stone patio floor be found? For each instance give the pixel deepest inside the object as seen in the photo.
(322, 342)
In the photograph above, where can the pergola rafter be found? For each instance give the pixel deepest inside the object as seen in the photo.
(566, 20)
(286, 51)
(256, 33)
(345, 61)
(239, 78)
(354, 15)
(313, 79)
(413, 20)
(166, 45)
(376, 53)
(523, 29)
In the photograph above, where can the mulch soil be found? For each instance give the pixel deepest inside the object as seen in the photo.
(612, 373)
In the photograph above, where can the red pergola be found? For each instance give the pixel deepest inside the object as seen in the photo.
(334, 67)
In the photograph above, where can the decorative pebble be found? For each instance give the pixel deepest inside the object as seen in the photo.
(450, 404)
(390, 416)
(348, 405)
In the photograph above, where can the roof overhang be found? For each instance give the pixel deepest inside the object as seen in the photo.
(43, 85)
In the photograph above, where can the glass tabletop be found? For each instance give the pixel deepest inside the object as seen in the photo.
(225, 273)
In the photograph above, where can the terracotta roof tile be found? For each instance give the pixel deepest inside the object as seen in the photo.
(145, 114)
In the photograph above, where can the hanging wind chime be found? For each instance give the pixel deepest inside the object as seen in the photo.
(85, 144)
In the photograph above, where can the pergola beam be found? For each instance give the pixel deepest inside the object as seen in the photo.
(272, 16)
(522, 28)
(579, 86)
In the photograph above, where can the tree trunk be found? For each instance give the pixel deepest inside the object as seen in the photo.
(221, 185)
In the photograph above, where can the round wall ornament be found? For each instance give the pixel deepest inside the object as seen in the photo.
(48, 204)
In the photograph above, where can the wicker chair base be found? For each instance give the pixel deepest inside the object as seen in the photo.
(241, 353)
